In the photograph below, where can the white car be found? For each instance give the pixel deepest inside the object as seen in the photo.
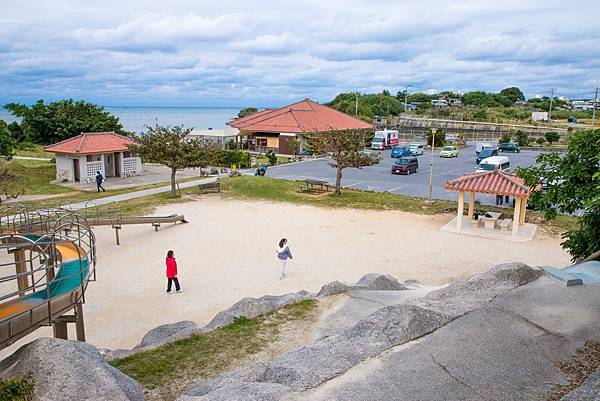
(416, 149)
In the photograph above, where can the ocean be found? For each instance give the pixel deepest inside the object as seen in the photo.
(135, 118)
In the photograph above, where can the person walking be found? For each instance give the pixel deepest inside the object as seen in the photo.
(283, 254)
(99, 180)
(172, 272)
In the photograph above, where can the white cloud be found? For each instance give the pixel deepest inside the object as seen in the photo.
(267, 52)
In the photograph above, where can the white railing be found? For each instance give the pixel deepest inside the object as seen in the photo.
(131, 166)
(91, 168)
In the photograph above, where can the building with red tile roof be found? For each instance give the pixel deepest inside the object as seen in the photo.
(274, 128)
(80, 157)
(495, 182)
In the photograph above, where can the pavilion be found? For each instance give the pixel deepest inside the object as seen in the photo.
(496, 182)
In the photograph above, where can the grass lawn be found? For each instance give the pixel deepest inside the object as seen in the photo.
(170, 368)
(35, 177)
(35, 151)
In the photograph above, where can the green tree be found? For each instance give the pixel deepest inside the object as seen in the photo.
(552, 136)
(7, 143)
(513, 94)
(505, 138)
(170, 147)
(540, 141)
(247, 111)
(479, 98)
(345, 149)
(572, 184)
(440, 137)
(53, 122)
(522, 138)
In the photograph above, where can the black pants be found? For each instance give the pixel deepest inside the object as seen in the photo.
(100, 187)
(170, 281)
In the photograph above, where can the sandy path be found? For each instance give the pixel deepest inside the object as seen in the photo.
(227, 252)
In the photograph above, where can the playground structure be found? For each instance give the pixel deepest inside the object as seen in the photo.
(47, 259)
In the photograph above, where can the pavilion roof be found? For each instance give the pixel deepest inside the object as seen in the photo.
(91, 142)
(496, 182)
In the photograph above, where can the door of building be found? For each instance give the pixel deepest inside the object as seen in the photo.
(117, 156)
(76, 170)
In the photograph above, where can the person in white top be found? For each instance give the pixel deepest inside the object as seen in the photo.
(283, 254)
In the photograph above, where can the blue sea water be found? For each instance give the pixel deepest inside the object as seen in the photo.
(135, 118)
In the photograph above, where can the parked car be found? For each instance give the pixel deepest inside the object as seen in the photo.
(509, 147)
(401, 151)
(374, 156)
(482, 145)
(405, 165)
(416, 149)
(493, 163)
(485, 153)
(449, 151)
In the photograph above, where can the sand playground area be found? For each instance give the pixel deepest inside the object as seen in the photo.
(227, 252)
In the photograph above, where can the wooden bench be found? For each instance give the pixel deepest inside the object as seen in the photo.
(475, 222)
(504, 224)
(209, 187)
(311, 189)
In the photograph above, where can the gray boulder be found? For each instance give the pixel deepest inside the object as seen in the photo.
(333, 288)
(252, 373)
(70, 370)
(161, 333)
(413, 283)
(252, 307)
(378, 281)
(588, 391)
(243, 392)
(461, 297)
(309, 366)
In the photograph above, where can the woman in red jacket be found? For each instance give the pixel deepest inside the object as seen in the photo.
(172, 272)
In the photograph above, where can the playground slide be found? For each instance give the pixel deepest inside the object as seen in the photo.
(21, 316)
(108, 221)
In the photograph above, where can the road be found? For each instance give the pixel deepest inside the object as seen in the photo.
(379, 178)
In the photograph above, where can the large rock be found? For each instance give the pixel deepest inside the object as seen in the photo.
(249, 374)
(69, 370)
(333, 288)
(379, 281)
(164, 332)
(307, 367)
(461, 297)
(252, 307)
(243, 392)
(588, 391)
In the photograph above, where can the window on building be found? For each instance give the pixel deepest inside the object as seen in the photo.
(126, 154)
(93, 158)
(261, 142)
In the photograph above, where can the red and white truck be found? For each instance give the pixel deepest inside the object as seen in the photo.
(385, 139)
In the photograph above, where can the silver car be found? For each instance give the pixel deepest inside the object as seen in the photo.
(416, 149)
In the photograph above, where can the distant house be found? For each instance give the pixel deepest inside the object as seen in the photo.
(539, 116)
(78, 158)
(439, 102)
(455, 102)
(273, 129)
(222, 136)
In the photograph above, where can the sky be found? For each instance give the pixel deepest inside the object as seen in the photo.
(270, 53)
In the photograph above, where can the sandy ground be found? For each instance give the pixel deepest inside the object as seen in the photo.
(227, 252)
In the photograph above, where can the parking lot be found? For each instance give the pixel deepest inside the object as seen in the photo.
(379, 177)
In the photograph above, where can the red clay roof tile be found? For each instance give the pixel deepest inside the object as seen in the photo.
(301, 117)
(496, 182)
(91, 142)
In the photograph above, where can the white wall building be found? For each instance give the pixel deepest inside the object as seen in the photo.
(79, 158)
(219, 135)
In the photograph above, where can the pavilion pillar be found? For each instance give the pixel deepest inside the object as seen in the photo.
(461, 209)
(523, 210)
(517, 216)
(471, 204)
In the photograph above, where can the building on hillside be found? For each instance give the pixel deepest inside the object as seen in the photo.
(222, 136)
(439, 102)
(78, 158)
(273, 129)
(539, 116)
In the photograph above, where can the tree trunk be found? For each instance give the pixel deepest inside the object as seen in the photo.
(173, 185)
(338, 181)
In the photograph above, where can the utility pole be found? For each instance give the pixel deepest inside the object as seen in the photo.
(594, 107)
(406, 98)
(356, 105)
(431, 163)
(550, 111)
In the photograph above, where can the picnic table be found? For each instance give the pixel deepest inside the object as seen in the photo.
(490, 219)
(315, 186)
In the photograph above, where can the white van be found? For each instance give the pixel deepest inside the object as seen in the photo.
(494, 162)
(482, 145)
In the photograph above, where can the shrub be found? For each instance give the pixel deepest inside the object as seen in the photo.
(505, 138)
(540, 141)
(272, 157)
(522, 138)
(227, 158)
(440, 137)
(17, 389)
(552, 136)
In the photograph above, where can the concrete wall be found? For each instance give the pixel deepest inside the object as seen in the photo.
(64, 168)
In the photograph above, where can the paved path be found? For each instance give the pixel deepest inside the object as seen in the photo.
(136, 194)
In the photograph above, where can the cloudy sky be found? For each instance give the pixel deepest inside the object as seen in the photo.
(266, 53)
